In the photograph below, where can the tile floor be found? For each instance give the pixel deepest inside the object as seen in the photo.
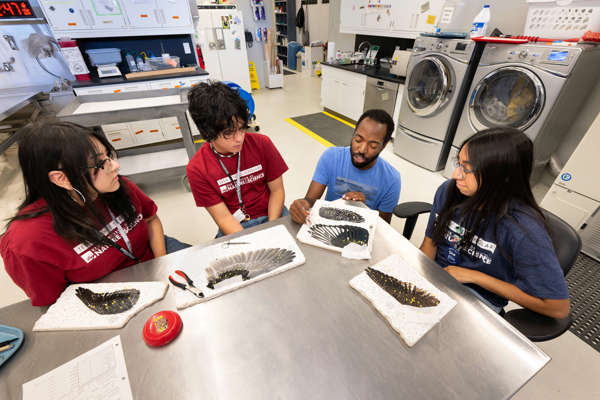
(575, 367)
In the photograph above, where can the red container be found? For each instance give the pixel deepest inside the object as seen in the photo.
(162, 328)
(73, 43)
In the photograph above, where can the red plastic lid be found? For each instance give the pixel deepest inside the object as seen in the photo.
(162, 328)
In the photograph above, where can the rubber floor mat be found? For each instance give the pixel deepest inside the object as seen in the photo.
(584, 286)
(326, 127)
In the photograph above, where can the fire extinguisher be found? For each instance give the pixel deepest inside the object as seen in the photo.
(200, 59)
(76, 64)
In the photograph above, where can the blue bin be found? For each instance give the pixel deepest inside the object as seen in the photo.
(247, 97)
(292, 50)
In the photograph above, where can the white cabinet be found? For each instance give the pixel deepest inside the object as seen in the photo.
(142, 14)
(83, 14)
(175, 13)
(405, 18)
(343, 91)
(171, 128)
(119, 135)
(83, 18)
(65, 15)
(147, 131)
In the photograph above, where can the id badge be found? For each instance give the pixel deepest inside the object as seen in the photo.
(239, 215)
(453, 255)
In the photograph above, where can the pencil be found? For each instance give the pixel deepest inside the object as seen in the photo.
(7, 347)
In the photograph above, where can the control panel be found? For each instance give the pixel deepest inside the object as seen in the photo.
(559, 59)
(460, 49)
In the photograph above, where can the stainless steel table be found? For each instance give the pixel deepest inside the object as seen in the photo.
(303, 334)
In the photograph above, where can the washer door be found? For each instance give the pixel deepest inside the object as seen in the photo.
(429, 87)
(508, 96)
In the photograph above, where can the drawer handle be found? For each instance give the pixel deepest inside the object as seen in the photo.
(175, 17)
(116, 140)
(154, 130)
(140, 131)
(143, 15)
(116, 90)
(72, 23)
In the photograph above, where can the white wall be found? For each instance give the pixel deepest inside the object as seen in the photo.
(343, 41)
(318, 21)
(27, 72)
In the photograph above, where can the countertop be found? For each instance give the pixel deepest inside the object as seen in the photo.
(302, 334)
(378, 72)
(12, 100)
(117, 80)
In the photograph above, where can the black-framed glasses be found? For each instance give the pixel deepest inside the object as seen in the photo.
(100, 164)
(464, 170)
(228, 135)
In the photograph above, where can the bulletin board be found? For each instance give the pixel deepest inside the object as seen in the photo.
(396, 18)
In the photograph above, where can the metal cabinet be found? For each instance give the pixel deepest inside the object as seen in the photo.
(175, 13)
(65, 15)
(142, 14)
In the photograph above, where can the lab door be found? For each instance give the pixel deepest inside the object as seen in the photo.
(65, 14)
(233, 57)
(210, 39)
(142, 14)
(175, 12)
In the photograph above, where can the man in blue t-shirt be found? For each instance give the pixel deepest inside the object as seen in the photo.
(356, 172)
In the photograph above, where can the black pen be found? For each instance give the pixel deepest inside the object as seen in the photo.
(8, 341)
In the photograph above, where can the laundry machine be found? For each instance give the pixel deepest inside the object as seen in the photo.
(438, 76)
(536, 88)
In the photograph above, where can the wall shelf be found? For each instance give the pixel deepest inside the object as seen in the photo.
(285, 24)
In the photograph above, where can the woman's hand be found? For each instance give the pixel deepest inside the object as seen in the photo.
(463, 275)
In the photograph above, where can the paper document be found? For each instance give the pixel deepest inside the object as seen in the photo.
(98, 374)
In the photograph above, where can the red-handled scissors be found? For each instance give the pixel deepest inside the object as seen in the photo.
(190, 284)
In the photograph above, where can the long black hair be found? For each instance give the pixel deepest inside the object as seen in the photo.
(67, 147)
(502, 161)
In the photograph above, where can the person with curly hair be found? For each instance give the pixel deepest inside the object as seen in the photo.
(236, 175)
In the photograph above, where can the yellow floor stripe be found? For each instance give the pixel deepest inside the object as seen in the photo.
(339, 119)
(310, 133)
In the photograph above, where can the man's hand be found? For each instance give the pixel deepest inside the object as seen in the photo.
(354, 196)
(300, 210)
(463, 275)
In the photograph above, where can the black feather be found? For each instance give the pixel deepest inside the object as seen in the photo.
(109, 302)
(405, 292)
(339, 235)
(338, 214)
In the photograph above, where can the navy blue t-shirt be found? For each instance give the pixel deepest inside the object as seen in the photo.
(530, 262)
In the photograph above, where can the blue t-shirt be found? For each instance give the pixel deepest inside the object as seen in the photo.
(523, 238)
(380, 183)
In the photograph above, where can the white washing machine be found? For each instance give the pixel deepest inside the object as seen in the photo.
(536, 88)
(437, 82)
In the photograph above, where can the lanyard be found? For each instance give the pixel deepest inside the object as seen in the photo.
(129, 251)
(238, 187)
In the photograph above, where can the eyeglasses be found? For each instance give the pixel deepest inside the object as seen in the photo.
(464, 170)
(100, 164)
(231, 134)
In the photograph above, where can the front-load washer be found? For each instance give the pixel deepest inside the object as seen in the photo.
(536, 88)
(438, 76)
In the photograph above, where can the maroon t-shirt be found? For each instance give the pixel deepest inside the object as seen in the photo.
(43, 263)
(261, 163)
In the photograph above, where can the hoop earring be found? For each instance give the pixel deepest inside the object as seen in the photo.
(80, 195)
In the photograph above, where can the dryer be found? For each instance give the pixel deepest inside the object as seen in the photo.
(438, 76)
(536, 88)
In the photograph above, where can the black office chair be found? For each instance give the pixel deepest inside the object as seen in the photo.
(567, 244)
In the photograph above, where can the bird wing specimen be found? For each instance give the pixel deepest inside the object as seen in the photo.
(248, 265)
(339, 235)
(109, 302)
(405, 292)
(338, 214)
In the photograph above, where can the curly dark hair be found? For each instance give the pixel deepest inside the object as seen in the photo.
(216, 109)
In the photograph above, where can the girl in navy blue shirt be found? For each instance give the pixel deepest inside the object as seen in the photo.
(486, 230)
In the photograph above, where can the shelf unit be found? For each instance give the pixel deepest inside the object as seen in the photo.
(285, 24)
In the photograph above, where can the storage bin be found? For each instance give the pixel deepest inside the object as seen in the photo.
(162, 63)
(104, 56)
